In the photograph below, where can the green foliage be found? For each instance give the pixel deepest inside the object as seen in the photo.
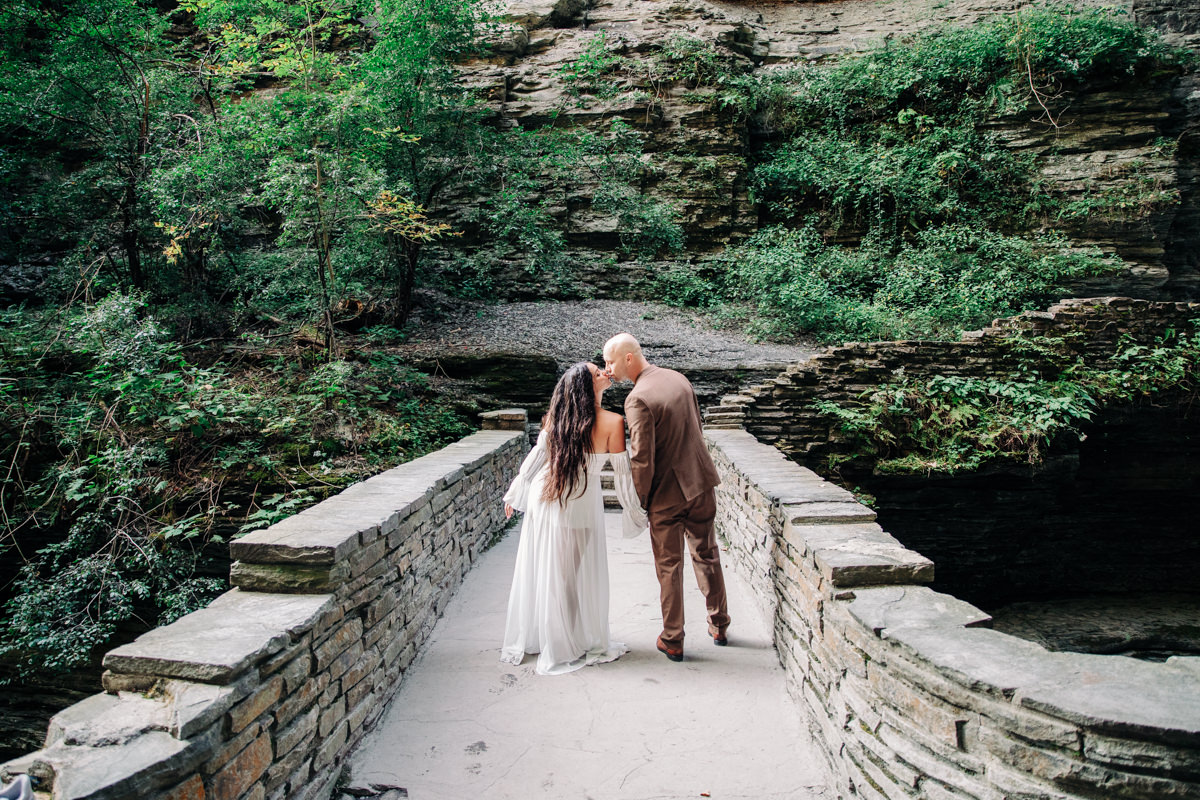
(588, 74)
(892, 138)
(682, 285)
(529, 187)
(899, 178)
(949, 423)
(134, 462)
(286, 155)
(947, 279)
(954, 74)
(602, 71)
(891, 151)
(692, 63)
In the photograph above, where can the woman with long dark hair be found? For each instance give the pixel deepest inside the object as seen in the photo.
(558, 606)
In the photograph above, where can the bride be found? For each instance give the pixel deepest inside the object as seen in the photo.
(558, 605)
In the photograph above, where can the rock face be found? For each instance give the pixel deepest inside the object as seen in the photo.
(1117, 140)
(1105, 519)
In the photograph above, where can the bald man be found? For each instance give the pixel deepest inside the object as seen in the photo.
(674, 477)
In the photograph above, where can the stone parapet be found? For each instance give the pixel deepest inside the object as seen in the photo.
(912, 692)
(782, 410)
(260, 695)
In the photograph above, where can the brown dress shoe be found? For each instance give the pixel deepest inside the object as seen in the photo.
(719, 639)
(673, 653)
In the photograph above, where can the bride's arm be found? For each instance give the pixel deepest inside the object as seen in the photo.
(633, 520)
(517, 495)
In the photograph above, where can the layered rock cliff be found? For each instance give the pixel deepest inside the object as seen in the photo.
(1131, 145)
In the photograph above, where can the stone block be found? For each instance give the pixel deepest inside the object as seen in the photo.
(255, 705)
(104, 719)
(345, 661)
(374, 636)
(997, 712)
(193, 707)
(300, 730)
(190, 789)
(856, 694)
(337, 643)
(331, 717)
(826, 513)
(288, 578)
(505, 419)
(141, 766)
(1013, 784)
(319, 786)
(367, 686)
(332, 617)
(243, 770)
(877, 775)
(316, 536)
(283, 768)
(302, 777)
(952, 769)
(296, 671)
(331, 748)
(889, 608)
(274, 663)
(940, 721)
(218, 643)
(297, 700)
(1066, 771)
(1122, 696)
(364, 667)
(368, 557)
(115, 682)
(359, 714)
(979, 659)
(1181, 763)
(230, 748)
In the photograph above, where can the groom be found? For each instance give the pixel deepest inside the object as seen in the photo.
(674, 477)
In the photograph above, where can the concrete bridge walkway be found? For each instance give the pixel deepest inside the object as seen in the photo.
(720, 724)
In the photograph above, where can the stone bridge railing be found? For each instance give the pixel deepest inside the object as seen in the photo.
(261, 695)
(912, 693)
(782, 411)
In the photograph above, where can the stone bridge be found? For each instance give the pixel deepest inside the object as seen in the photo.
(904, 692)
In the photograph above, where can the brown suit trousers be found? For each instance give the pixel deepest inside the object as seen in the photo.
(675, 477)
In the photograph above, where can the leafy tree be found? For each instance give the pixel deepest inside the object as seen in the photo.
(101, 78)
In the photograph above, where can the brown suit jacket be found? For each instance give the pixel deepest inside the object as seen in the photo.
(670, 461)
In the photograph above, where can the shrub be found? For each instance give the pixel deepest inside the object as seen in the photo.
(948, 423)
(134, 461)
(947, 279)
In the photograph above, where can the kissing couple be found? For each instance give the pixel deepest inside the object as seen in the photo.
(558, 604)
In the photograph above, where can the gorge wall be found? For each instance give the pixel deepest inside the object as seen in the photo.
(1113, 139)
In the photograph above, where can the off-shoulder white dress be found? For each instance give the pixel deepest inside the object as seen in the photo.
(558, 605)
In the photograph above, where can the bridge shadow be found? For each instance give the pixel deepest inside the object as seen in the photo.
(719, 724)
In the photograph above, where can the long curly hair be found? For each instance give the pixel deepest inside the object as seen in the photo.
(568, 426)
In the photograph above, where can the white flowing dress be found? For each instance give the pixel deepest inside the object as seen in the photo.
(558, 605)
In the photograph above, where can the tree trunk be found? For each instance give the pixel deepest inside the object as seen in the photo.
(130, 240)
(404, 255)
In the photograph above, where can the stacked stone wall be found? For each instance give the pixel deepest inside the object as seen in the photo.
(912, 693)
(782, 411)
(261, 695)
